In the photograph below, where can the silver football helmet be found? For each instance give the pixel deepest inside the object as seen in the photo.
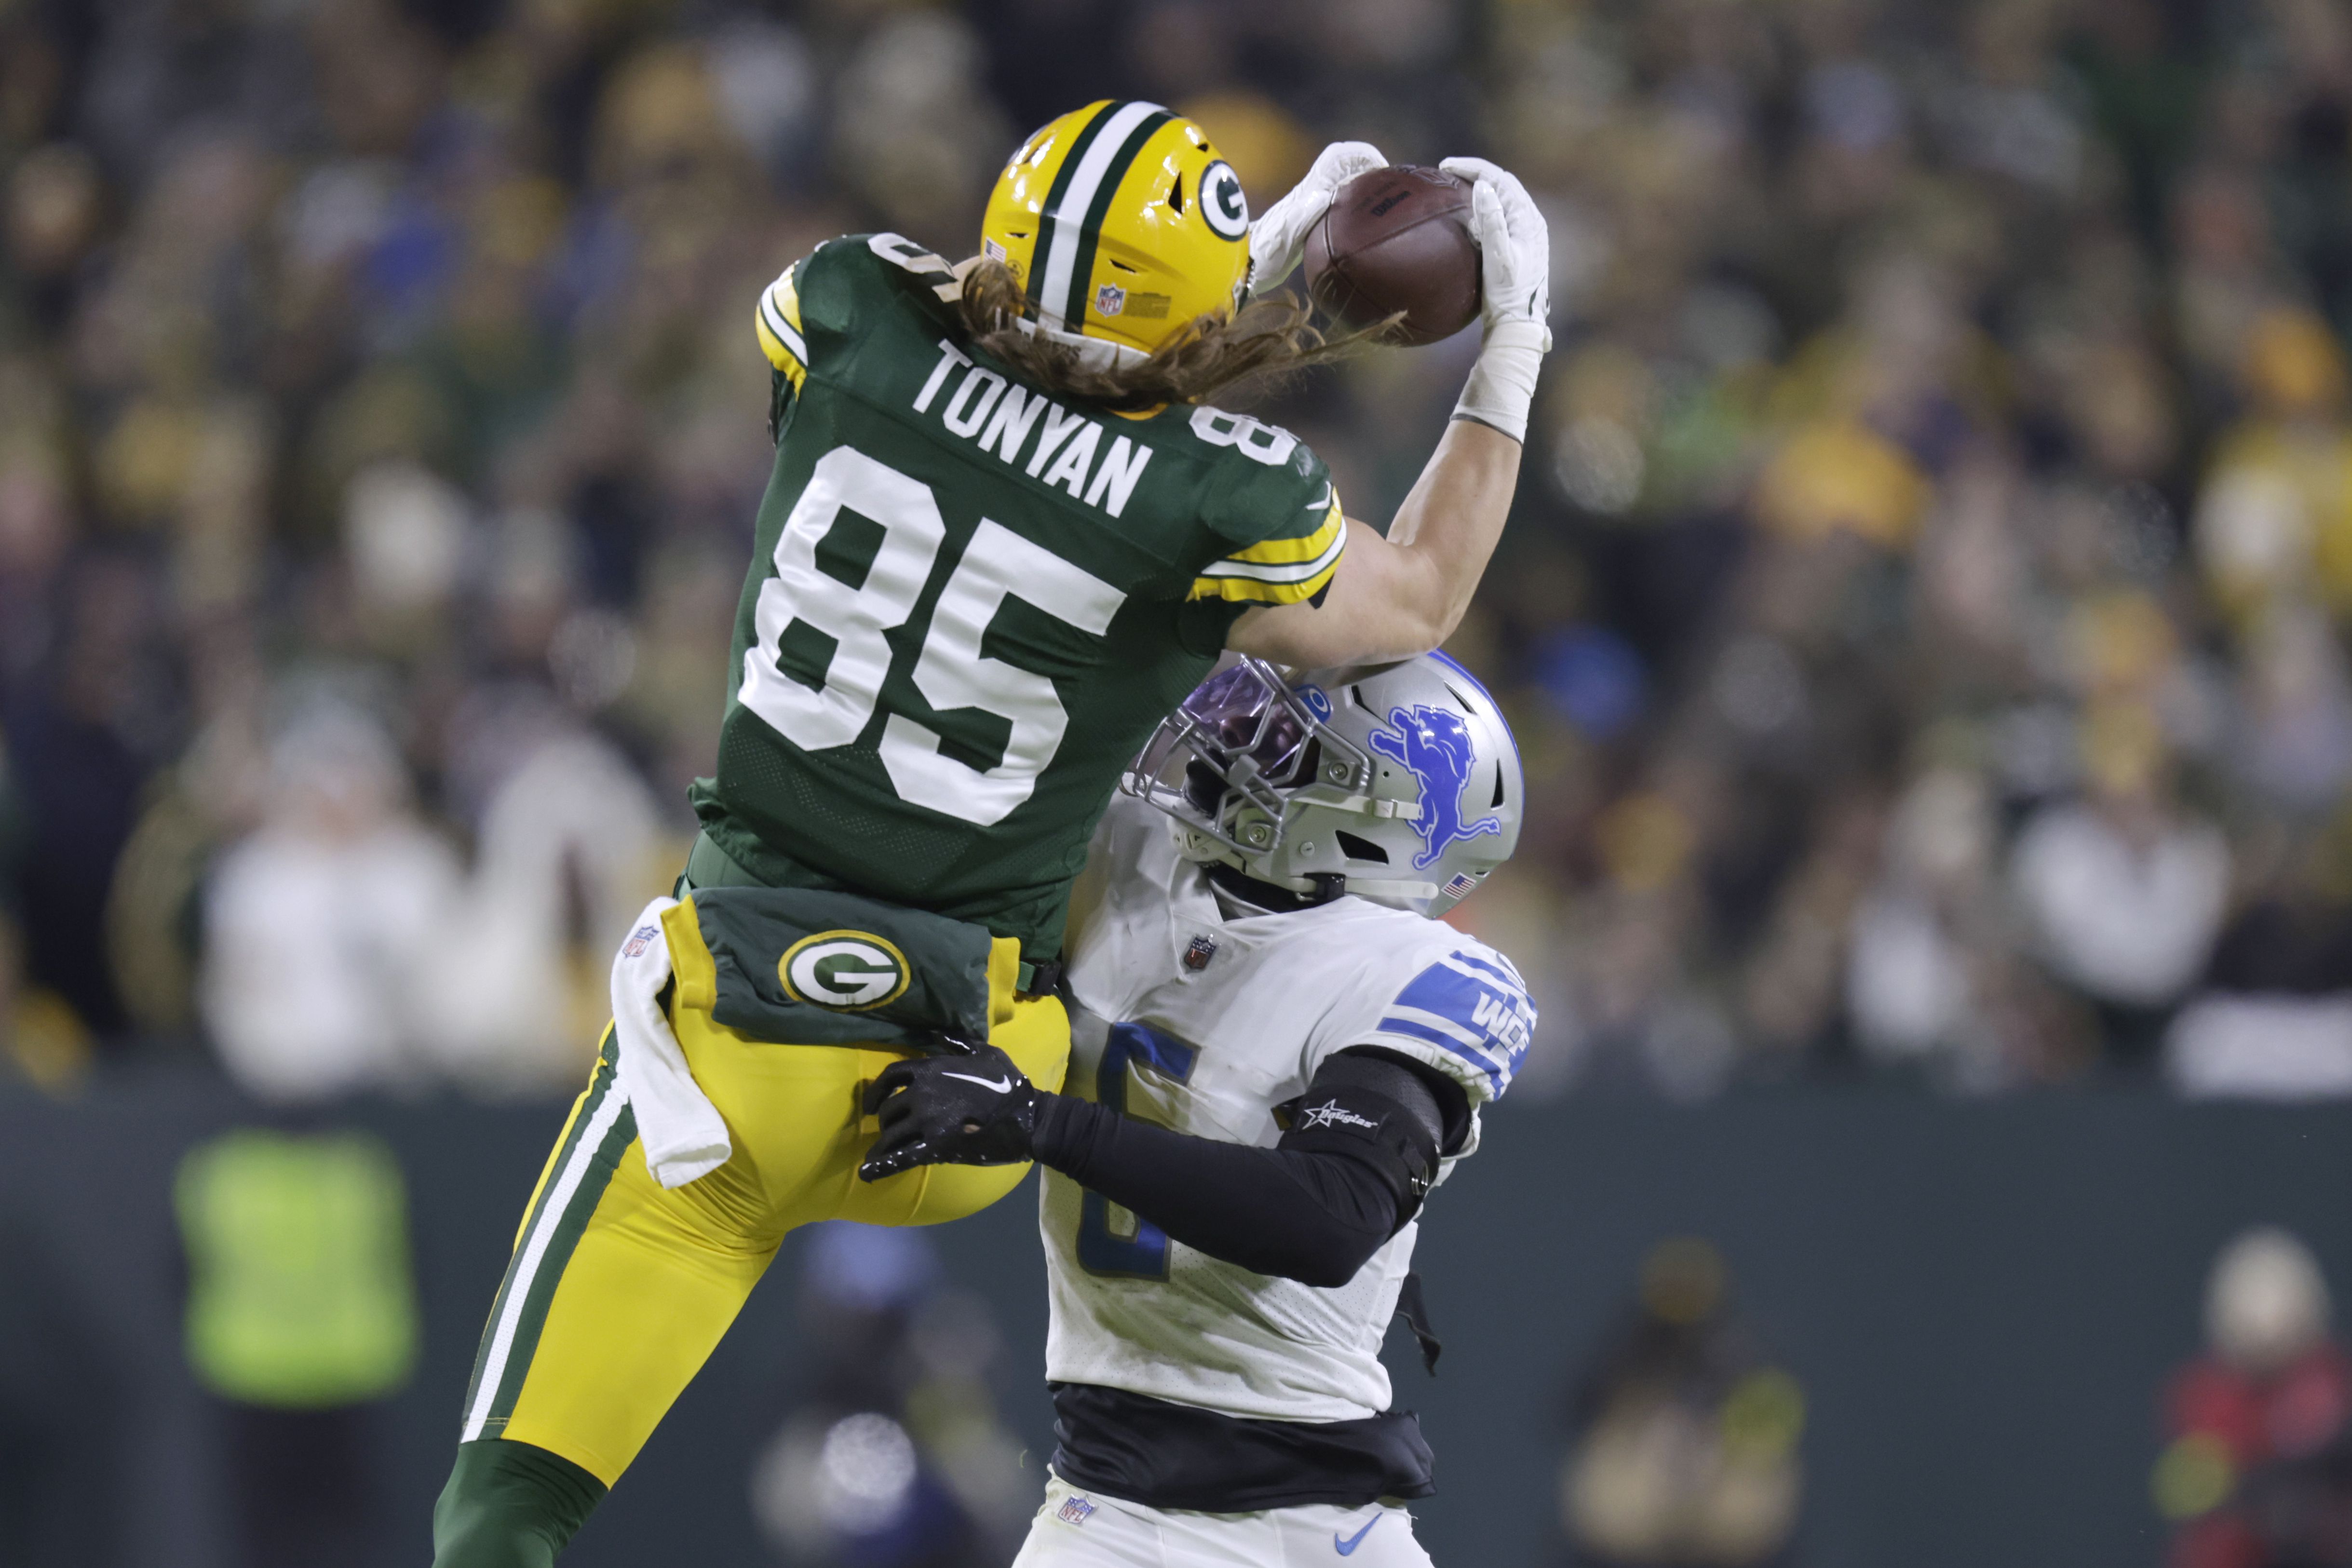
(1397, 783)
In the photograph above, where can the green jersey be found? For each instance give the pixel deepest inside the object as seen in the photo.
(971, 603)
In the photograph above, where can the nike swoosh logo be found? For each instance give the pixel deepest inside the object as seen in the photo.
(995, 1085)
(1346, 1548)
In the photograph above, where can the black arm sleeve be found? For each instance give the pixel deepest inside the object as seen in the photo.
(1314, 1208)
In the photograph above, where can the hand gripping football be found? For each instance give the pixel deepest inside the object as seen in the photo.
(1398, 240)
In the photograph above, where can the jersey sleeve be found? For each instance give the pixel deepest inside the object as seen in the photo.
(778, 321)
(1273, 505)
(1465, 1013)
(822, 305)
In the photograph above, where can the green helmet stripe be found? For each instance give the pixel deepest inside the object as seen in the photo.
(1074, 217)
(1090, 233)
(1053, 195)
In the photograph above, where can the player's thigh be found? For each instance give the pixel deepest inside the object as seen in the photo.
(1037, 1038)
(1378, 1535)
(800, 1131)
(617, 1292)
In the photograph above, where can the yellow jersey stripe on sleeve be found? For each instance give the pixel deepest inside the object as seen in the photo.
(1273, 582)
(778, 321)
(1297, 547)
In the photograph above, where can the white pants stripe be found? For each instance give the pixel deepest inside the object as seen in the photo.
(1077, 1528)
(534, 1249)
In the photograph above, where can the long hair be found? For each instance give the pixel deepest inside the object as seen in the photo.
(1270, 337)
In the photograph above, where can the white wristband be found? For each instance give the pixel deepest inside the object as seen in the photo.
(1502, 384)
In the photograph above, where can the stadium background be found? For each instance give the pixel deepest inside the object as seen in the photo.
(1922, 618)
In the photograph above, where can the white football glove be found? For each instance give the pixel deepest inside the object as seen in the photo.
(1279, 235)
(1515, 267)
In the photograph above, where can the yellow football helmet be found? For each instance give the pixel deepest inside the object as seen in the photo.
(1123, 224)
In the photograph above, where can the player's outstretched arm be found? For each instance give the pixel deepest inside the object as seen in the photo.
(1342, 1181)
(1403, 595)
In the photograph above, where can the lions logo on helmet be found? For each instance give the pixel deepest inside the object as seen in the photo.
(1117, 204)
(1434, 745)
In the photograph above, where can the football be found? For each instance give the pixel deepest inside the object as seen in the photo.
(1397, 240)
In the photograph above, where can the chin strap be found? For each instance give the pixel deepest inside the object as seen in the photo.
(1271, 897)
(1094, 353)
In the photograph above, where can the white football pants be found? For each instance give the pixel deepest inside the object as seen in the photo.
(1087, 1529)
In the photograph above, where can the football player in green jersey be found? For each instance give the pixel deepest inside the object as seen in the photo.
(1006, 531)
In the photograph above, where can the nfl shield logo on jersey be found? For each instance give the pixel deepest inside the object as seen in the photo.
(1074, 1511)
(1109, 299)
(1197, 956)
(639, 940)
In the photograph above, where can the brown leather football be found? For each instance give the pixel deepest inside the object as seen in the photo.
(1397, 240)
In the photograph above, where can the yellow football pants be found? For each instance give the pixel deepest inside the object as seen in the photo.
(619, 1288)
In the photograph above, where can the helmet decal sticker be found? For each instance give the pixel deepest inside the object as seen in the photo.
(1221, 200)
(1319, 702)
(1434, 745)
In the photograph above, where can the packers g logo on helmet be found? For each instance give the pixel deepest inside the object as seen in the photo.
(1122, 224)
(849, 971)
(1222, 202)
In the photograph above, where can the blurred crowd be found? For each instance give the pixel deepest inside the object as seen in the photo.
(1684, 1448)
(890, 1453)
(1923, 616)
(2257, 1471)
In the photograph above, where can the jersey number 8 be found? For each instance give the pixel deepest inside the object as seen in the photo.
(951, 672)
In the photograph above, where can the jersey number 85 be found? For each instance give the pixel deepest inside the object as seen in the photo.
(950, 673)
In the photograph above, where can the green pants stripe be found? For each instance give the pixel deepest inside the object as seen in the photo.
(600, 1134)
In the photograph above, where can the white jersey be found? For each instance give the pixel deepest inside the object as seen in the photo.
(1204, 1024)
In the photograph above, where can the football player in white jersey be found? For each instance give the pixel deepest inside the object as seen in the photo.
(1277, 1050)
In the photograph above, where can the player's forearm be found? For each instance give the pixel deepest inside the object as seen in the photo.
(1450, 523)
(1402, 596)
(1310, 1216)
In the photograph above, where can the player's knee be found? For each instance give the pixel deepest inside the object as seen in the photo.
(509, 1505)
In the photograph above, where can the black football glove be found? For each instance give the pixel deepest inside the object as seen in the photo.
(975, 1110)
